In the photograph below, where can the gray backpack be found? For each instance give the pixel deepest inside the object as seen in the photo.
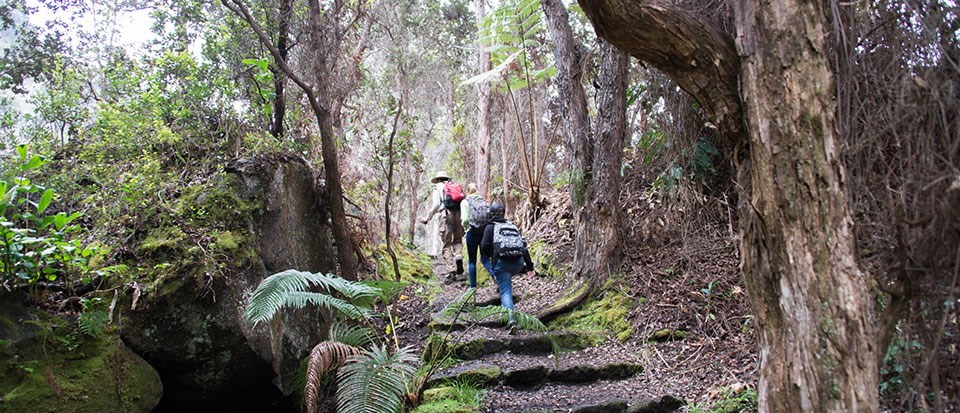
(507, 241)
(479, 212)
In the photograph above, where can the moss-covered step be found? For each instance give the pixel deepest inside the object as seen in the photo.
(475, 373)
(481, 341)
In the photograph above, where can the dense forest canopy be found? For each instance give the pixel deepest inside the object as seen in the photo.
(823, 136)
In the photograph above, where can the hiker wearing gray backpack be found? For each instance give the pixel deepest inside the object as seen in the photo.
(507, 251)
(475, 215)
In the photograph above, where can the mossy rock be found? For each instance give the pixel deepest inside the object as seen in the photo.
(668, 334)
(609, 313)
(53, 368)
(475, 373)
(414, 266)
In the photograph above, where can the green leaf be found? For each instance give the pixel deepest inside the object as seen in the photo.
(45, 201)
(22, 150)
(34, 163)
(60, 220)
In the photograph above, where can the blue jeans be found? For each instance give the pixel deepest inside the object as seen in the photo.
(503, 272)
(473, 247)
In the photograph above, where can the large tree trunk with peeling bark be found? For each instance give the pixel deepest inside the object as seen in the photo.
(810, 298)
(813, 307)
(598, 225)
(596, 154)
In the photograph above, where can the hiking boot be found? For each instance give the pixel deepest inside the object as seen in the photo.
(512, 328)
(459, 265)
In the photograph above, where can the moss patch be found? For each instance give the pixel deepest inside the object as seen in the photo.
(76, 373)
(414, 266)
(547, 263)
(606, 314)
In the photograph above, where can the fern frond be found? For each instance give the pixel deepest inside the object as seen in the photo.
(91, 323)
(292, 288)
(325, 357)
(524, 321)
(350, 334)
(375, 381)
(463, 303)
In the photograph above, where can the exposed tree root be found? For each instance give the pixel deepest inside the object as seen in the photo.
(568, 303)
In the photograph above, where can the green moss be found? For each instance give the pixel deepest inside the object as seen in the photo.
(668, 334)
(414, 266)
(75, 373)
(547, 263)
(607, 314)
(164, 238)
(227, 240)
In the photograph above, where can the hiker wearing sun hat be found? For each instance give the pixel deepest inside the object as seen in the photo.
(446, 198)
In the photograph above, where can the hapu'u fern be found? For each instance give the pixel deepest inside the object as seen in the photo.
(325, 357)
(291, 288)
(375, 381)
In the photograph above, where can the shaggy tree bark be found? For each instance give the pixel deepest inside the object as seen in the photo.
(696, 55)
(598, 225)
(596, 154)
(482, 160)
(811, 300)
(817, 335)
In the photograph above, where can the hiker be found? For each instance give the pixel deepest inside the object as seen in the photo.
(474, 215)
(504, 246)
(446, 198)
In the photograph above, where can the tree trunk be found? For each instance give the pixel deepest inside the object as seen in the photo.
(696, 55)
(569, 80)
(328, 147)
(482, 159)
(319, 103)
(595, 156)
(811, 300)
(817, 334)
(279, 79)
(598, 247)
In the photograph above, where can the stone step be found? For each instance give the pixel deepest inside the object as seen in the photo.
(530, 370)
(480, 341)
(597, 397)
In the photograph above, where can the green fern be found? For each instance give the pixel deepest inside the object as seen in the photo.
(350, 335)
(291, 288)
(375, 381)
(462, 303)
(524, 321)
(91, 323)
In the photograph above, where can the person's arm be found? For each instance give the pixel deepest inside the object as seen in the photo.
(465, 213)
(435, 207)
(486, 245)
(528, 262)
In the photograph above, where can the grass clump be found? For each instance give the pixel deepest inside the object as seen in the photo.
(457, 397)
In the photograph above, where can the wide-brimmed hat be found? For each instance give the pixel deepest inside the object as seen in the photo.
(441, 175)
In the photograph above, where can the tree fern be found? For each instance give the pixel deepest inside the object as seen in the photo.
(375, 381)
(291, 288)
(325, 357)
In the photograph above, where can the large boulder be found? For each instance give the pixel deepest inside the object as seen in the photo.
(189, 322)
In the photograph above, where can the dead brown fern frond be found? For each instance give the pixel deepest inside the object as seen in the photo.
(325, 357)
